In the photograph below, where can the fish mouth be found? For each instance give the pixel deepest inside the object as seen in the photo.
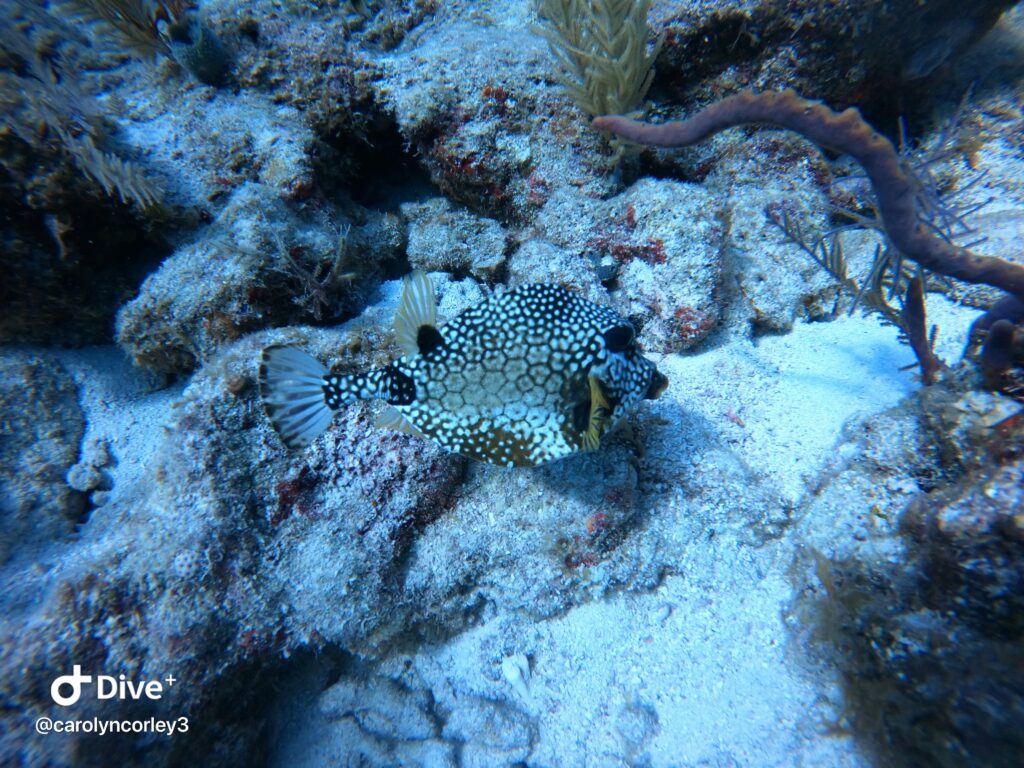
(659, 383)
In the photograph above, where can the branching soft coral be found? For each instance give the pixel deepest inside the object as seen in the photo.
(601, 50)
(136, 23)
(149, 28)
(38, 94)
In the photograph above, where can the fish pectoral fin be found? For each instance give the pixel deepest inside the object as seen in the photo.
(416, 317)
(390, 418)
(600, 416)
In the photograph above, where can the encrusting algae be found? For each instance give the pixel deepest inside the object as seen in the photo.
(535, 374)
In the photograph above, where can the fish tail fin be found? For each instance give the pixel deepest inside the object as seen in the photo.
(294, 394)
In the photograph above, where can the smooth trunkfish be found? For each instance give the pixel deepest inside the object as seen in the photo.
(520, 379)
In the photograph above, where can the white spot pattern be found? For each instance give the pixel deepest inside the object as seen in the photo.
(504, 386)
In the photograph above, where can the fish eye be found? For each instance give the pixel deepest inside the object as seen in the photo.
(619, 338)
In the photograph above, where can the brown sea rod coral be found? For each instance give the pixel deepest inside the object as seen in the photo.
(895, 186)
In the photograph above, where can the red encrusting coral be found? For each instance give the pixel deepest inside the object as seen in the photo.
(689, 323)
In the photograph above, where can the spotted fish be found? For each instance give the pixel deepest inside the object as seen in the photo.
(522, 378)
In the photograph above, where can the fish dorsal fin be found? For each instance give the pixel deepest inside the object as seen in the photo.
(390, 418)
(600, 416)
(417, 308)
